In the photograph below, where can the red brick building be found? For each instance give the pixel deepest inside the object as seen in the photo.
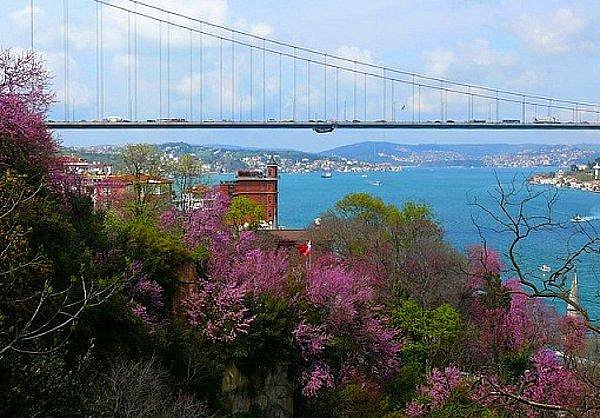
(259, 186)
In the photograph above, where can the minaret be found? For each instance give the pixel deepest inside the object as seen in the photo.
(573, 297)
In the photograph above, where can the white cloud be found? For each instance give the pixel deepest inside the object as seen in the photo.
(22, 16)
(555, 33)
(480, 53)
(355, 54)
(438, 62)
(526, 80)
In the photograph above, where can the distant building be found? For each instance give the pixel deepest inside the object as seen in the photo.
(122, 188)
(97, 180)
(259, 186)
(76, 165)
(195, 197)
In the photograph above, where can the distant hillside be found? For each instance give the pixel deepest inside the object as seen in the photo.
(380, 151)
(441, 154)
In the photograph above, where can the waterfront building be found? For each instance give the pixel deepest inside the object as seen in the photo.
(260, 186)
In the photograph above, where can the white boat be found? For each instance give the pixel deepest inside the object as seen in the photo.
(376, 183)
(577, 218)
(364, 176)
(326, 174)
(545, 268)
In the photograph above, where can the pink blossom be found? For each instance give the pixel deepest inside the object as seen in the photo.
(312, 339)
(437, 390)
(319, 377)
(415, 410)
(483, 261)
(573, 333)
(550, 382)
(338, 289)
(218, 310)
(525, 323)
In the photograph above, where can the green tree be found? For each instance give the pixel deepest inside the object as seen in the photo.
(404, 248)
(186, 171)
(245, 213)
(144, 163)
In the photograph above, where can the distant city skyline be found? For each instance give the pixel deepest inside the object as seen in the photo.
(550, 47)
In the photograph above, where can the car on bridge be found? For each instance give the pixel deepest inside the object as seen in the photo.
(546, 120)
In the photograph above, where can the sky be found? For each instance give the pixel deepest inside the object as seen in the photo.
(549, 47)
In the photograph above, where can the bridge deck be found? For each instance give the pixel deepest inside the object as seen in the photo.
(317, 125)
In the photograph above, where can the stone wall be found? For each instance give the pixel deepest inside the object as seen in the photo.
(271, 394)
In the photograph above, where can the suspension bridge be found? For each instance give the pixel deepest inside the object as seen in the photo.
(178, 71)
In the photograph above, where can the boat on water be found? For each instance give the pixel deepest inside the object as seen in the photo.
(364, 176)
(577, 218)
(376, 183)
(326, 174)
(545, 268)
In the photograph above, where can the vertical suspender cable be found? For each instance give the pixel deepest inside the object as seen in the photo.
(497, 107)
(264, 76)
(168, 70)
(365, 96)
(280, 86)
(393, 103)
(337, 92)
(66, 55)
(325, 88)
(191, 86)
(135, 62)
(468, 103)
(251, 82)
(98, 60)
(384, 99)
(102, 101)
(446, 104)
(413, 99)
(294, 100)
(201, 74)
(441, 100)
(307, 90)
(32, 22)
(354, 93)
(220, 78)
(160, 113)
(419, 98)
(232, 75)
(129, 107)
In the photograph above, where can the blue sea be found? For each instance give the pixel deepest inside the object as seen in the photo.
(449, 192)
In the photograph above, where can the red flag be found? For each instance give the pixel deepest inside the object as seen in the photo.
(305, 248)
